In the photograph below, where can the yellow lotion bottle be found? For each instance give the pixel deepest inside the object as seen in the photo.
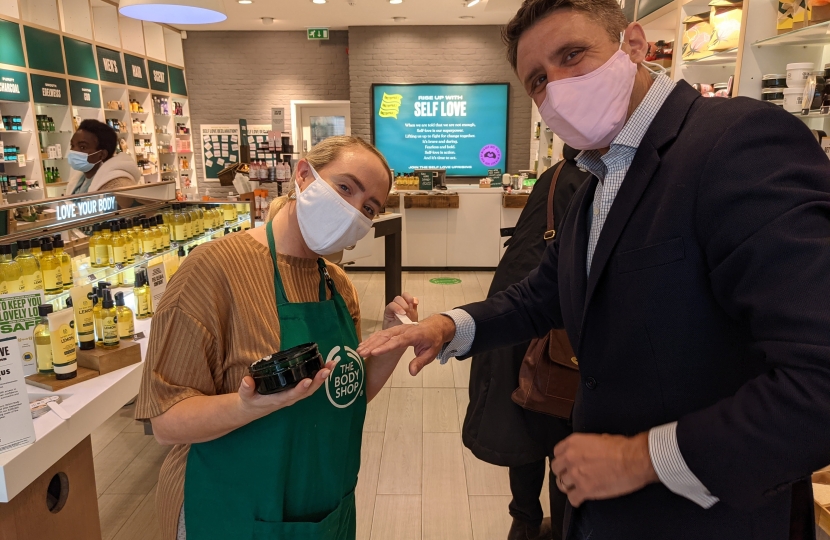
(126, 325)
(196, 221)
(188, 223)
(32, 277)
(10, 270)
(43, 341)
(143, 299)
(136, 232)
(103, 250)
(51, 269)
(158, 241)
(64, 349)
(93, 245)
(83, 303)
(119, 252)
(179, 224)
(66, 262)
(165, 232)
(148, 239)
(109, 322)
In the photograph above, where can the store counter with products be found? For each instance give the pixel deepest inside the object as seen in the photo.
(84, 260)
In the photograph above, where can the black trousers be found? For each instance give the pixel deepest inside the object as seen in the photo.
(526, 481)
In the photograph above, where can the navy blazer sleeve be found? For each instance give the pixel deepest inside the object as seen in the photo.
(525, 310)
(763, 219)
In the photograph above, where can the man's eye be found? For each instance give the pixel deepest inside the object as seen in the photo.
(345, 188)
(540, 81)
(369, 210)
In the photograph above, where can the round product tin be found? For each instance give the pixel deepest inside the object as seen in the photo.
(283, 370)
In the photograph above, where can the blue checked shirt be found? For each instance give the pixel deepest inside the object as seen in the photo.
(610, 169)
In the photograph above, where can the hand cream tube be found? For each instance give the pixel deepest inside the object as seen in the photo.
(84, 320)
(64, 350)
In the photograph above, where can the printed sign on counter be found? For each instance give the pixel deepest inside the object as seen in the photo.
(16, 426)
(158, 281)
(18, 318)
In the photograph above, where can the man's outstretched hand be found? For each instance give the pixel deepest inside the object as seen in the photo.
(426, 337)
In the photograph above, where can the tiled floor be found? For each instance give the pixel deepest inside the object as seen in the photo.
(417, 481)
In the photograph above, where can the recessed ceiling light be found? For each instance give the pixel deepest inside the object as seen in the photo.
(319, 1)
(245, 1)
(174, 11)
(396, 1)
(471, 3)
(466, 17)
(267, 20)
(398, 19)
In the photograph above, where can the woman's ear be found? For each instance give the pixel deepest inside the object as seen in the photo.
(304, 174)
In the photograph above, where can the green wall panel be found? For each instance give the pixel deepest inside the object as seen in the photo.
(44, 50)
(110, 65)
(13, 85)
(85, 94)
(136, 71)
(11, 45)
(50, 90)
(158, 76)
(80, 60)
(177, 82)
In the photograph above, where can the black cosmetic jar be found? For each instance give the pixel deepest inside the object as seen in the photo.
(283, 370)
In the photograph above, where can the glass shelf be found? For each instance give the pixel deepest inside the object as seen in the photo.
(817, 34)
(723, 58)
(140, 114)
(813, 114)
(103, 274)
(5, 131)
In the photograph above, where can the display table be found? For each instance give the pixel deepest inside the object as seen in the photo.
(389, 226)
(64, 446)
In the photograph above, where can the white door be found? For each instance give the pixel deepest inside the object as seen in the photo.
(320, 121)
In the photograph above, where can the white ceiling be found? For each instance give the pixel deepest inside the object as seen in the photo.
(341, 14)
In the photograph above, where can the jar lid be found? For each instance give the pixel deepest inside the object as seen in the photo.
(775, 76)
(801, 65)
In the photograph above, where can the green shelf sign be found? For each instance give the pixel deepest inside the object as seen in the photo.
(110, 66)
(316, 34)
(177, 82)
(445, 281)
(85, 94)
(44, 50)
(49, 90)
(136, 71)
(11, 44)
(158, 76)
(13, 85)
(80, 59)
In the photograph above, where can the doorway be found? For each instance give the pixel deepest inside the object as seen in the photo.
(315, 121)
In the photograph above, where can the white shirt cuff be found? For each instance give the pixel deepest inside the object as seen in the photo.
(465, 331)
(671, 468)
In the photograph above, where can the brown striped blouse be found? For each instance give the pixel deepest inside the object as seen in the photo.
(217, 316)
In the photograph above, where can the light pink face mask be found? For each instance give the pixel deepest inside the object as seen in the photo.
(587, 112)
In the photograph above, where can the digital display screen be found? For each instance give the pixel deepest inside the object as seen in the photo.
(461, 128)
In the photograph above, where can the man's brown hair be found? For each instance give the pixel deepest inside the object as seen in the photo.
(605, 12)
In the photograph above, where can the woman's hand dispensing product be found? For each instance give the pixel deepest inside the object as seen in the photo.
(406, 304)
(257, 405)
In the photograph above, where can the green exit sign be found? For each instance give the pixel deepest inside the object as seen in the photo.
(318, 33)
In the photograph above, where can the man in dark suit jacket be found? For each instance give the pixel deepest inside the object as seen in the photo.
(691, 273)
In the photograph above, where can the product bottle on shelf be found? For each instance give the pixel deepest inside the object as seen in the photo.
(30, 267)
(11, 271)
(148, 240)
(66, 262)
(51, 268)
(126, 326)
(143, 299)
(109, 321)
(135, 230)
(158, 242)
(84, 323)
(179, 224)
(103, 249)
(119, 250)
(93, 245)
(43, 341)
(165, 232)
(195, 222)
(96, 310)
(129, 244)
(36, 251)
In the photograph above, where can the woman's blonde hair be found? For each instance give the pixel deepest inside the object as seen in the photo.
(321, 155)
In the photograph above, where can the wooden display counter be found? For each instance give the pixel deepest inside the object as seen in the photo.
(424, 200)
(510, 200)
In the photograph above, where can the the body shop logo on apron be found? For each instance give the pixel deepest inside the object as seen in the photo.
(345, 383)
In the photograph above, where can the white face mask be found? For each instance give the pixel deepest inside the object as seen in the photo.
(328, 223)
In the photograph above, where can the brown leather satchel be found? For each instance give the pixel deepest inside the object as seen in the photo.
(549, 376)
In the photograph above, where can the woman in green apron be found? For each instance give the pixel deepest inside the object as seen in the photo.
(249, 466)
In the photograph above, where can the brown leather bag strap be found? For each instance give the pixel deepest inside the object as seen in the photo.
(550, 234)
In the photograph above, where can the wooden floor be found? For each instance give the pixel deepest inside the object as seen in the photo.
(417, 481)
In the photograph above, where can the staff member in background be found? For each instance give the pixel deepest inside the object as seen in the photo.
(245, 465)
(691, 274)
(98, 168)
(497, 430)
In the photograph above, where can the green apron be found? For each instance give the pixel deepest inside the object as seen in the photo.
(292, 474)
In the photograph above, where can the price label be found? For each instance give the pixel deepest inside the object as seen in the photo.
(139, 335)
(92, 277)
(119, 266)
